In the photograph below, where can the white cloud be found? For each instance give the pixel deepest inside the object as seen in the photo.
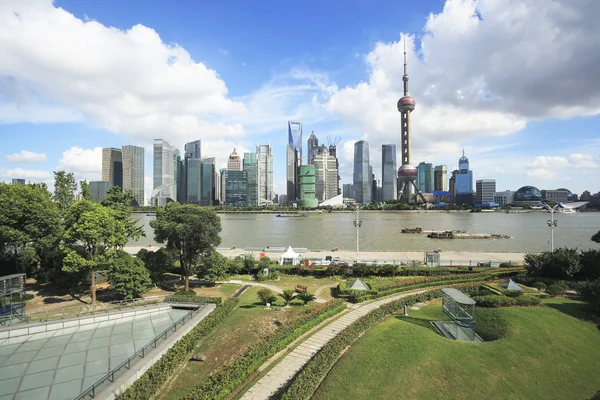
(559, 167)
(34, 175)
(26, 157)
(126, 81)
(83, 163)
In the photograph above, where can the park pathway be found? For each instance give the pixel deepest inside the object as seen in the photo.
(287, 368)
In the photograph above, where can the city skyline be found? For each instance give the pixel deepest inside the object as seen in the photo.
(495, 101)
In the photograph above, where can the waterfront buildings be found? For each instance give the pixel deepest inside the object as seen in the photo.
(504, 198)
(407, 174)
(312, 149)
(333, 152)
(440, 178)
(463, 182)
(264, 157)
(125, 168)
(361, 176)
(484, 191)
(234, 162)
(555, 196)
(16, 181)
(193, 149)
(236, 190)
(326, 176)
(306, 187)
(389, 182)
(164, 173)
(293, 158)
(250, 165)
(425, 177)
(223, 186)
(98, 190)
(527, 195)
(348, 191)
(207, 181)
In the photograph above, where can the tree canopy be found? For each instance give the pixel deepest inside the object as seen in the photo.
(128, 276)
(596, 237)
(120, 202)
(64, 190)
(213, 267)
(189, 229)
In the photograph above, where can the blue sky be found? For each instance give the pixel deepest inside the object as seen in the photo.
(511, 82)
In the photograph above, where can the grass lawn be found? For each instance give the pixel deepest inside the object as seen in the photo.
(550, 352)
(290, 282)
(248, 323)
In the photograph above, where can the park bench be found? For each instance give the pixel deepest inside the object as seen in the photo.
(301, 288)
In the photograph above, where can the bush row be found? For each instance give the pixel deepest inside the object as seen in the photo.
(149, 383)
(228, 378)
(309, 378)
(193, 299)
(497, 301)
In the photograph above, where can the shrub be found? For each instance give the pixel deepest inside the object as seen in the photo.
(513, 293)
(590, 291)
(590, 265)
(508, 265)
(556, 290)
(266, 296)
(149, 383)
(528, 301)
(495, 301)
(490, 325)
(564, 263)
(539, 285)
(185, 293)
(287, 296)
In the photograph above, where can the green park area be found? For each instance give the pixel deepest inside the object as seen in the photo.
(548, 352)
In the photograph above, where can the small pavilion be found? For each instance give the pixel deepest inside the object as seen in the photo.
(290, 257)
(460, 310)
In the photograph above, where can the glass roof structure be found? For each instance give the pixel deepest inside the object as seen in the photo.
(63, 363)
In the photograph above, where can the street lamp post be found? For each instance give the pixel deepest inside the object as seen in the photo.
(552, 223)
(357, 225)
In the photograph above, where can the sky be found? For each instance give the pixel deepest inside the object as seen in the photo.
(515, 83)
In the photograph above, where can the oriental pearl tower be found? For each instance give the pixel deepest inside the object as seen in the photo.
(407, 174)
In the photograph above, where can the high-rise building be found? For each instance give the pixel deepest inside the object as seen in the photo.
(293, 158)
(452, 188)
(440, 178)
(362, 178)
(223, 188)
(504, 198)
(251, 168)
(306, 187)
(313, 146)
(193, 167)
(193, 149)
(425, 177)
(164, 173)
(234, 162)
(98, 190)
(16, 181)
(207, 181)
(326, 176)
(407, 174)
(333, 153)
(463, 191)
(348, 191)
(112, 166)
(485, 190)
(236, 191)
(388, 172)
(133, 172)
(264, 156)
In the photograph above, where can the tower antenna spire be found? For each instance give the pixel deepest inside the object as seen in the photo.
(405, 76)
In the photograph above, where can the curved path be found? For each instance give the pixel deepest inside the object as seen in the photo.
(289, 366)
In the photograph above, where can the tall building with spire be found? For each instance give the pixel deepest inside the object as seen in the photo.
(463, 189)
(313, 147)
(293, 159)
(407, 173)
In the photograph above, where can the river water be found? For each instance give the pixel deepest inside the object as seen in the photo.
(380, 231)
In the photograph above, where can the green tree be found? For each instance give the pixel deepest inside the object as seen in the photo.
(264, 262)
(157, 262)
(213, 267)
(287, 296)
(564, 263)
(85, 190)
(249, 263)
(266, 296)
(29, 223)
(128, 276)
(596, 237)
(190, 230)
(64, 190)
(306, 297)
(121, 202)
(92, 238)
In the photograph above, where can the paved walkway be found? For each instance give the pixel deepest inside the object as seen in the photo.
(293, 362)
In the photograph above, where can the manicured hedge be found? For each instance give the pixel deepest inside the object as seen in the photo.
(310, 377)
(193, 299)
(228, 378)
(496, 301)
(149, 383)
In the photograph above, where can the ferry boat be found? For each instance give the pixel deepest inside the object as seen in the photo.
(412, 230)
(292, 215)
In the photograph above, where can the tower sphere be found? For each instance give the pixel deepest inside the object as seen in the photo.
(406, 103)
(407, 173)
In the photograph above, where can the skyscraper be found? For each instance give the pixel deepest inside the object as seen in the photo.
(98, 190)
(440, 178)
(293, 158)
(485, 190)
(264, 156)
(326, 176)
(164, 173)
(133, 172)
(464, 182)
(407, 174)
(388, 172)
(251, 169)
(17, 181)
(234, 162)
(207, 181)
(193, 149)
(193, 167)
(236, 191)
(306, 186)
(313, 145)
(362, 178)
(112, 166)
(333, 153)
(425, 177)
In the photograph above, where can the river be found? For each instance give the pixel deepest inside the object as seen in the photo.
(380, 231)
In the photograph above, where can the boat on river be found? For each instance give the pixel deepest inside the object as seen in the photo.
(465, 235)
(292, 215)
(412, 230)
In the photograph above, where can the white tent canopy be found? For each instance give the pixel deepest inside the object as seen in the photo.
(289, 257)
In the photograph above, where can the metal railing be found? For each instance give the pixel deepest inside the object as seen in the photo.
(110, 376)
